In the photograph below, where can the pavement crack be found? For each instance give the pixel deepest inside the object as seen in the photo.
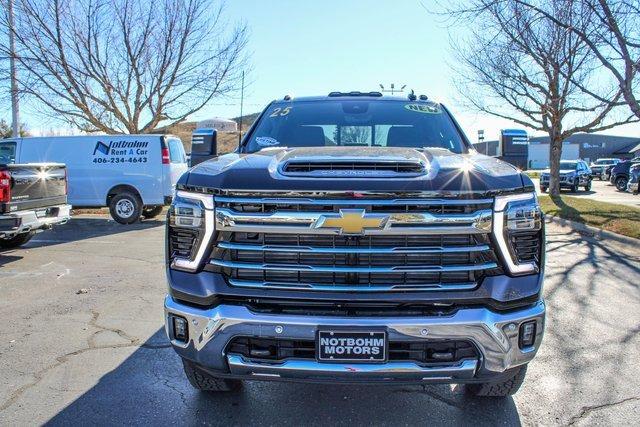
(586, 410)
(60, 360)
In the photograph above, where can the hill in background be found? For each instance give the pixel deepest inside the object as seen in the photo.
(227, 141)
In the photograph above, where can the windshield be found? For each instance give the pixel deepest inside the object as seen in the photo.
(356, 123)
(7, 152)
(568, 165)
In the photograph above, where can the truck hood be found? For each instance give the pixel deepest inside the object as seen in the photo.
(443, 172)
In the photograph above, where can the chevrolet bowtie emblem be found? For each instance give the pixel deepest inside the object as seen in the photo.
(352, 221)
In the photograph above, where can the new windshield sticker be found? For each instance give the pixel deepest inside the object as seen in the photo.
(121, 152)
(266, 141)
(423, 108)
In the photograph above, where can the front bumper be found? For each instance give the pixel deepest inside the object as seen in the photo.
(494, 334)
(32, 220)
(564, 181)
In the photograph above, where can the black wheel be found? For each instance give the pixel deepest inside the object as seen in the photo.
(125, 207)
(17, 240)
(501, 389)
(574, 187)
(543, 189)
(201, 380)
(152, 212)
(588, 186)
(621, 183)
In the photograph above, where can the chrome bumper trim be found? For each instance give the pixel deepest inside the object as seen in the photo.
(494, 334)
(349, 269)
(30, 221)
(301, 369)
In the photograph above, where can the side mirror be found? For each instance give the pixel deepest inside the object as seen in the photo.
(204, 145)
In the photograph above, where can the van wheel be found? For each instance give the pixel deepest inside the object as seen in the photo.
(152, 212)
(125, 207)
(17, 240)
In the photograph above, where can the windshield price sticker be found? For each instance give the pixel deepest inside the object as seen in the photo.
(423, 108)
(266, 141)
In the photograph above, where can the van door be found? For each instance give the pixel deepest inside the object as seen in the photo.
(177, 164)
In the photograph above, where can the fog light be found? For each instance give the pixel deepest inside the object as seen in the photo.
(180, 329)
(527, 334)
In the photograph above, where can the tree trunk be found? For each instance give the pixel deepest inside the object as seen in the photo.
(555, 153)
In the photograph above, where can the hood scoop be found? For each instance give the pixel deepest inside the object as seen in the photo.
(353, 168)
(353, 162)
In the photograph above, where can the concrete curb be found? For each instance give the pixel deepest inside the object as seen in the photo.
(593, 231)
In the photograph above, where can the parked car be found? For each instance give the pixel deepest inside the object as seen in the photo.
(620, 173)
(606, 173)
(598, 167)
(33, 198)
(134, 175)
(573, 174)
(358, 238)
(634, 178)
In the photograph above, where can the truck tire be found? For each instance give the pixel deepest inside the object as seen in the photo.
(125, 207)
(588, 186)
(202, 381)
(152, 212)
(621, 183)
(501, 389)
(574, 187)
(17, 240)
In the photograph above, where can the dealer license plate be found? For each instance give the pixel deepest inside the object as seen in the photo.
(352, 346)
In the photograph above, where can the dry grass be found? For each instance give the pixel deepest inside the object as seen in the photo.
(227, 141)
(619, 219)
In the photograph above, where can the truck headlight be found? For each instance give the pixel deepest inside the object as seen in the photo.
(518, 230)
(189, 230)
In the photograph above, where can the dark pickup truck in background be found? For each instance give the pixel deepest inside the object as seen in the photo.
(33, 197)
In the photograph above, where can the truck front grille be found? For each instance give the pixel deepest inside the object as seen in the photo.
(422, 245)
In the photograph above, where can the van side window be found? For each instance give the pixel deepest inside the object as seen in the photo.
(176, 151)
(7, 152)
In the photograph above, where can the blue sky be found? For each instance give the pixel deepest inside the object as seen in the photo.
(310, 47)
(314, 47)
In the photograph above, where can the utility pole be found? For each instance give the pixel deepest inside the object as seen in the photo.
(241, 105)
(15, 109)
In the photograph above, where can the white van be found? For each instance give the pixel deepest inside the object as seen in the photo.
(134, 175)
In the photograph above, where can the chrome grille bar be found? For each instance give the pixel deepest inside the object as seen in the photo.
(354, 288)
(353, 269)
(353, 250)
(296, 222)
(351, 201)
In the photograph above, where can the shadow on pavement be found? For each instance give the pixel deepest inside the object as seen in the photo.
(81, 228)
(149, 388)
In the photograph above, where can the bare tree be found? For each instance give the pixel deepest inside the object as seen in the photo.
(519, 65)
(614, 38)
(126, 66)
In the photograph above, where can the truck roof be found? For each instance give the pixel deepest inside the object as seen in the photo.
(354, 96)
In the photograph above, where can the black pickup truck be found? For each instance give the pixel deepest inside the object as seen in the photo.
(355, 237)
(33, 197)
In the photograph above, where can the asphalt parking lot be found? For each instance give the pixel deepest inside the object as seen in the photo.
(82, 342)
(602, 191)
